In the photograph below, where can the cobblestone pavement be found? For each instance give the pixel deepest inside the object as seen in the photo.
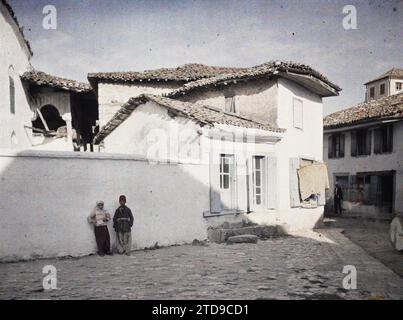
(373, 237)
(307, 266)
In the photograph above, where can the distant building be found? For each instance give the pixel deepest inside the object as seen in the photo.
(363, 148)
(388, 84)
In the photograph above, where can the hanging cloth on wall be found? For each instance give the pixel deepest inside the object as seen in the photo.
(313, 179)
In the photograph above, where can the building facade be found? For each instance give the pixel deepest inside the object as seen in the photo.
(15, 56)
(363, 150)
(288, 110)
(388, 84)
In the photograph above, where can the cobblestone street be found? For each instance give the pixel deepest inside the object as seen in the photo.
(307, 266)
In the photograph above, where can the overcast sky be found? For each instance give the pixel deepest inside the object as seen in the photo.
(131, 35)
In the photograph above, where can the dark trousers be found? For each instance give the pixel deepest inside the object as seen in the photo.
(337, 205)
(103, 239)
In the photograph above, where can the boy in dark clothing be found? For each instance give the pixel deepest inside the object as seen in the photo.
(123, 223)
(338, 198)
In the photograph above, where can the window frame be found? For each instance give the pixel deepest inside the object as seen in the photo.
(11, 85)
(300, 110)
(361, 149)
(263, 178)
(382, 89)
(230, 100)
(372, 92)
(337, 139)
(383, 139)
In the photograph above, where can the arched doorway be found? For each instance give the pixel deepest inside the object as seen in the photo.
(52, 118)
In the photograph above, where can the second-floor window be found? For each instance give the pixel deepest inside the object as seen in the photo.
(230, 104)
(298, 113)
(382, 89)
(361, 142)
(398, 86)
(11, 89)
(336, 146)
(383, 139)
(372, 92)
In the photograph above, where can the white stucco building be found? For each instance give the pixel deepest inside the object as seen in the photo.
(363, 149)
(34, 105)
(387, 84)
(191, 147)
(15, 55)
(115, 88)
(253, 129)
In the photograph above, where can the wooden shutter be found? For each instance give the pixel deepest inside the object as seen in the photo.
(373, 191)
(330, 147)
(215, 198)
(368, 142)
(271, 182)
(377, 140)
(12, 95)
(294, 186)
(342, 142)
(390, 139)
(298, 113)
(353, 143)
(352, 196)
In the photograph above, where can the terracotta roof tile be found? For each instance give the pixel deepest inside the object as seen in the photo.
(265, 69)
(392, 73)
(43, 79)
(385, 108)
(185, 73)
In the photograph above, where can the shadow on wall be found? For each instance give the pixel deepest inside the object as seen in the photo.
(47, 196)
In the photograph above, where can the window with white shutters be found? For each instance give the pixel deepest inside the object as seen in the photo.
(298, 113)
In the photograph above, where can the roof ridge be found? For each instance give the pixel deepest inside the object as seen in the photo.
(54, 76)
(382, 108)
(42, 78)
(373, 101)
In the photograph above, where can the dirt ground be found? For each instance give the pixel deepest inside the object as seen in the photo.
(373, 237)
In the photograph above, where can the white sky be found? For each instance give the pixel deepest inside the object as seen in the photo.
(131, 35)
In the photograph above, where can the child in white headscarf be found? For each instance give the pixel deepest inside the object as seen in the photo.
(100, 217)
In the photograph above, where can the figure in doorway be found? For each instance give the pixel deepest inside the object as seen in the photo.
(338, 199)
(122, 223)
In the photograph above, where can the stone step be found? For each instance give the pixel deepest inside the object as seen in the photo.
(221, 235)
(246, 238)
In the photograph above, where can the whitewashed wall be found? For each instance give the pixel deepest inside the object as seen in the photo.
(111, 96)
(131, 137)
(152, 133)
(374, 162)
(13, 53)
(254, 99)
(393, 86)
(298, 143)
(50, 194)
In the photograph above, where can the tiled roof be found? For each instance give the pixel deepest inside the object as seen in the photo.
(21, 29)
(202, 114)
(392, 73)
(185, 73)
(385, 108)
(43, 79)
(265, 69)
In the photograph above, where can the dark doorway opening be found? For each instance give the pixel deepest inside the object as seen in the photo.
(52, 118)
